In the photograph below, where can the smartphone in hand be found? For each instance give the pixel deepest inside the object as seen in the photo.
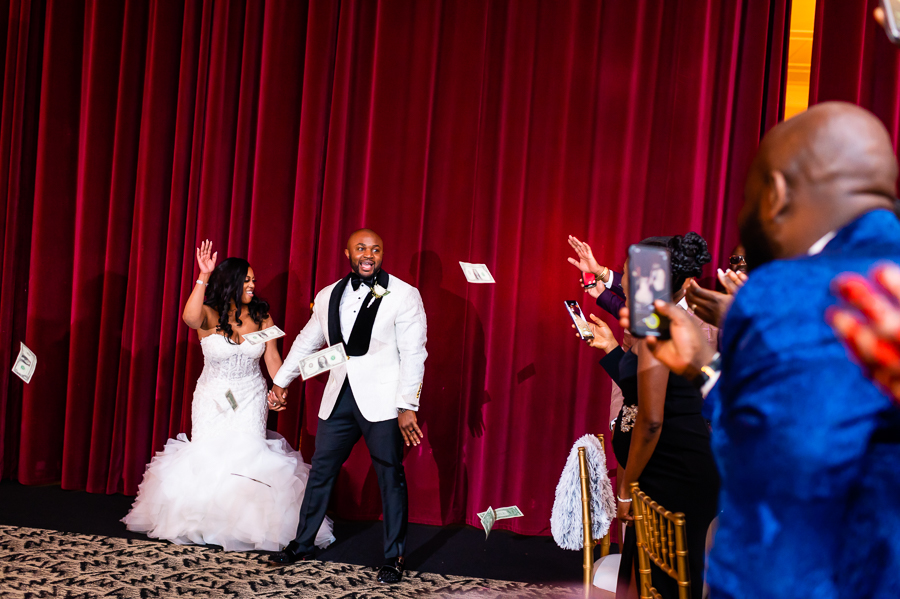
(588, 280)
(649, 279)
(580, 321)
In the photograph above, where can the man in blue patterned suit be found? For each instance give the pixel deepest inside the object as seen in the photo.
(808, 447)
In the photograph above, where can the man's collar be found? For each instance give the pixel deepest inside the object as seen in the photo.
(818, 246)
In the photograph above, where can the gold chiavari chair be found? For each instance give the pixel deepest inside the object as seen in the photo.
(660, 539)
(589, 541)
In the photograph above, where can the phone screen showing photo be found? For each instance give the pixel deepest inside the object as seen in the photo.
(649, 279)
(578, 318)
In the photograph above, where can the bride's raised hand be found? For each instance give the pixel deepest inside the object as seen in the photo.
(206, 258)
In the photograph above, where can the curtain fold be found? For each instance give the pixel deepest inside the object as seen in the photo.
(478, 131)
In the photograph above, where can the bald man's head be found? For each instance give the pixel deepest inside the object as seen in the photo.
(365, 250)
(814, 174)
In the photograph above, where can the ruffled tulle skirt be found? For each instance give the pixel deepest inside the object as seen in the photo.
(235, 490)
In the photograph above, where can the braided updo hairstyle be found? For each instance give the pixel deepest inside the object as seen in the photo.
(689, 255)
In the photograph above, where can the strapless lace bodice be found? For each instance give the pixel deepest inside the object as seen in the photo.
(229, 366)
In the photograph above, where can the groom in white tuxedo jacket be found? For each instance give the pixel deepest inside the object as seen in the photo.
(375, 394)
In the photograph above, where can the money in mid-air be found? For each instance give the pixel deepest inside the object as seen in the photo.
(477, 273)
(487, 521)
(323, 361)
(264, 335)
(502, 513)
(231, 400)
(25, 364)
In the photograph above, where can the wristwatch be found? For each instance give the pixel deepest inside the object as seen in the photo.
(400, 411)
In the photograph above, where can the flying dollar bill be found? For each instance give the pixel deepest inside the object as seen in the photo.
(323, 361)
(491, 515)
(502, 513)
(477, 273)
(264, 335)
(231, 400)
(487, 521)
(25, 363)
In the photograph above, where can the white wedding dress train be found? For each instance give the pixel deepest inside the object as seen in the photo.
(234, 483)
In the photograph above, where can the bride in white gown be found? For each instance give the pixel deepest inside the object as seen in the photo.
(234, 483)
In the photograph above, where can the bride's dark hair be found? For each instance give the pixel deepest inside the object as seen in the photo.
(226, 285)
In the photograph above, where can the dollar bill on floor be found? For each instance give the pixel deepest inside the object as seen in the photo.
(323, 361)
(257, 337)
(231, 400)
(487, 521)
(502, 513)
(477, 273)
(25, 363)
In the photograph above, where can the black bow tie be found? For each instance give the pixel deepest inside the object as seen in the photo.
(355, 280)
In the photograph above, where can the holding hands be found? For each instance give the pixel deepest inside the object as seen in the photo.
(277, 399)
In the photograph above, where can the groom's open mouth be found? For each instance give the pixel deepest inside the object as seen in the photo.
(366, 267)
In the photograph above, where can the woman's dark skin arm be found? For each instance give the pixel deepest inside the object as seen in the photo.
(653, 379)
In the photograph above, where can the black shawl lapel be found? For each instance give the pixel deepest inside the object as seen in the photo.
(334, 312)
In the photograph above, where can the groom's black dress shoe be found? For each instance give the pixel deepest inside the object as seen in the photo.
(391, 572)
(289, 555)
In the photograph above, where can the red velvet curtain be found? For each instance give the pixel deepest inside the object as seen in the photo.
(482, 131)
(853, 61)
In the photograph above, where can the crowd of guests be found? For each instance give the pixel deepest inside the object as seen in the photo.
(801, 386)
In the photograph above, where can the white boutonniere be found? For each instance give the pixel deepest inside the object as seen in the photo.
(379, 292)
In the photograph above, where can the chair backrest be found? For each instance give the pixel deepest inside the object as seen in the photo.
(660, 539)
(589, 542)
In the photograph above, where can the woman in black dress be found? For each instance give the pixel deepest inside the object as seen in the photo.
(661, 439)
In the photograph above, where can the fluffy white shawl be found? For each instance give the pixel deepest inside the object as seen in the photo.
(565, 520)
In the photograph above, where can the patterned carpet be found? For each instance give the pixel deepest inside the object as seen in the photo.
(46, 563)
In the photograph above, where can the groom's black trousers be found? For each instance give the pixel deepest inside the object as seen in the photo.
(334, 441)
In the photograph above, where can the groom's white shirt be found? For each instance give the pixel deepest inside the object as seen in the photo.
(390, 375)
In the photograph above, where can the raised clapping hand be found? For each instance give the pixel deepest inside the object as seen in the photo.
(732, 280)
(869, 323)
(277, 399)
(205, 259)
(603, 335)
(686, 351)
(712, 306)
